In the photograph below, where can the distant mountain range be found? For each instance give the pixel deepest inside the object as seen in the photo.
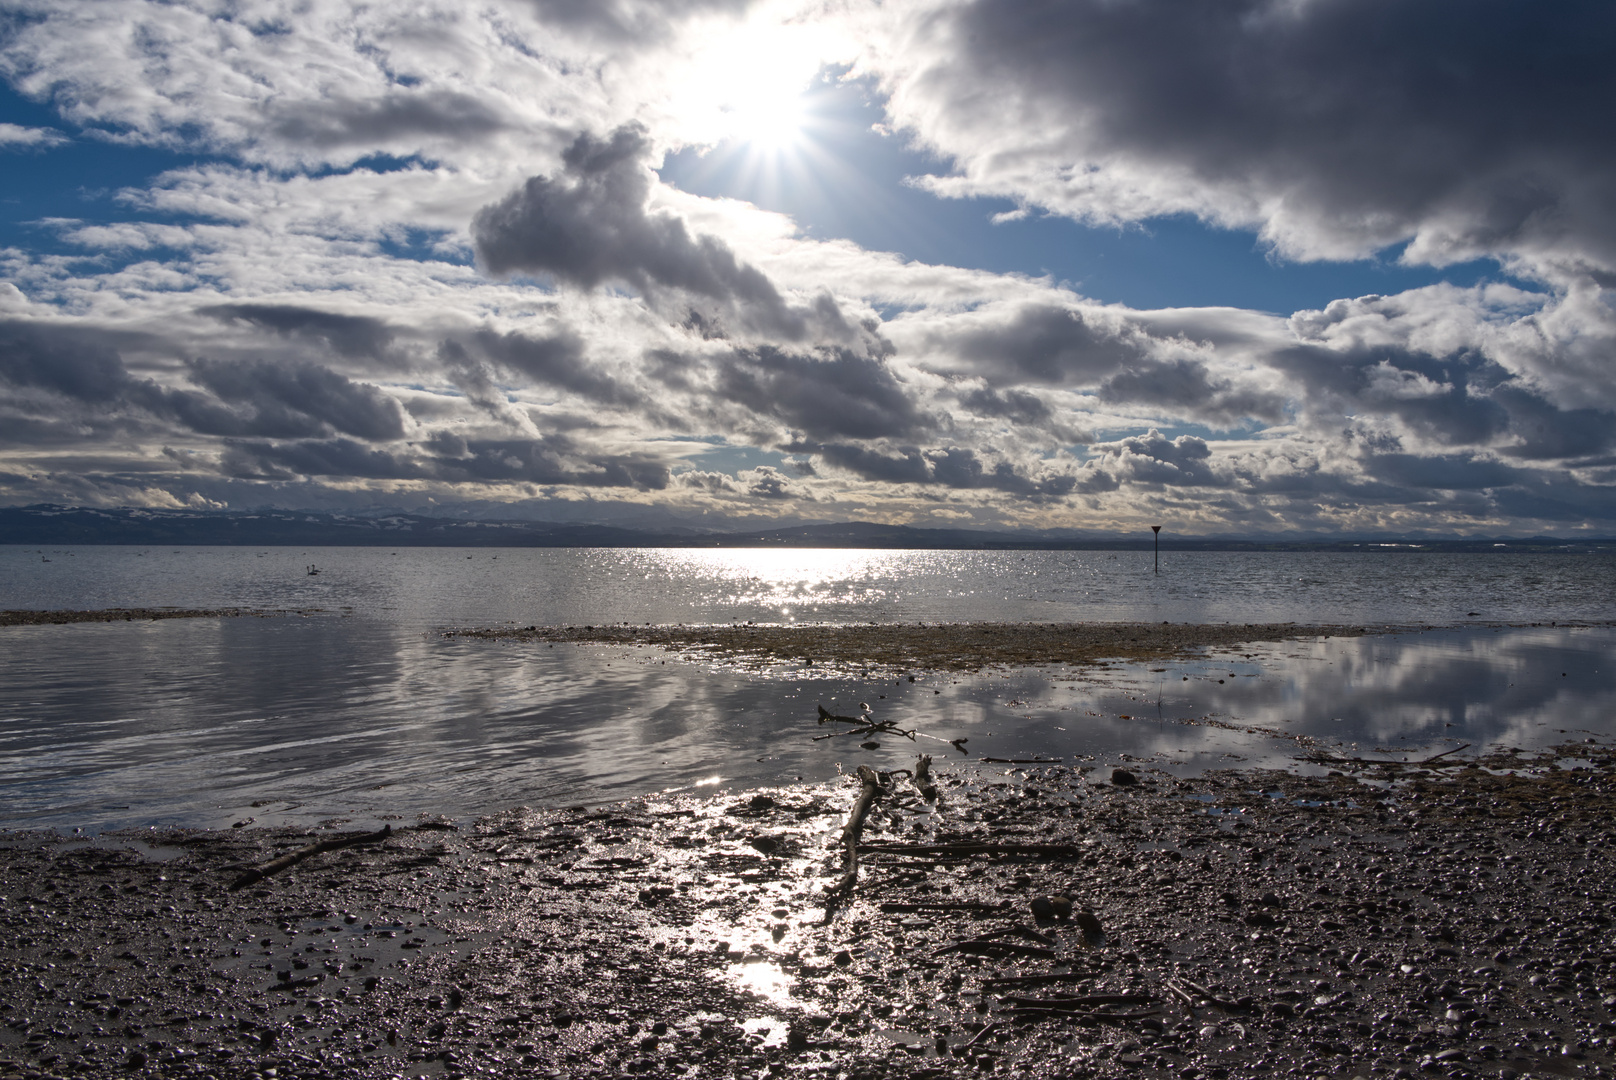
(283, 528)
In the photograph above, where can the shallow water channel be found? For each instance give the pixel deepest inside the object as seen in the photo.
(210, 722)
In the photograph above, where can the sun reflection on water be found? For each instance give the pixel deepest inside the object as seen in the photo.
(794, 582)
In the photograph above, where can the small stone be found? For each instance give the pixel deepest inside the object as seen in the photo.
(1087, 922)
(1062, 907)
(1123, 778)
(1043, 907)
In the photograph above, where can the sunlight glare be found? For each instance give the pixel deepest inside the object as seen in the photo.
(749, 85)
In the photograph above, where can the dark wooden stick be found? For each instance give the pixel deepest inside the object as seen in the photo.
(1017, 930)
(994, 948)
(968, 848)
(275, 866)
(1086, 1017)
(1210, 997)
(994, 1026)
(869, 792)
(1064, 1003)
(1040, 980)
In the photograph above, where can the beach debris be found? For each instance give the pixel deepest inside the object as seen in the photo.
(275, 866)
(1051, 907)
(868, 725)
(1123, 778)
(922, 778)
(870, 789)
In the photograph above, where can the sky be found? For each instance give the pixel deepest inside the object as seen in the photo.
(1238, 267)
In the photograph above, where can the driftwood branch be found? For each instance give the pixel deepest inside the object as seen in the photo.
(1074, 1004)
(869, 791)
(971, 848)
(996, 948)
(1340, 759)
(1040, 980)
(1207, 995)
(905, 907)
(1083, 1017)
(275, 866)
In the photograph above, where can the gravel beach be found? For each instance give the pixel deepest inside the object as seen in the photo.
(1388, 919)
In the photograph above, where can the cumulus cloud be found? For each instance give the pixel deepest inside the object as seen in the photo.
(1335, 129)
(425, 254)
(593, 225)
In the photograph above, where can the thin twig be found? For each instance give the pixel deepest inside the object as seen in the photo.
(257, 874)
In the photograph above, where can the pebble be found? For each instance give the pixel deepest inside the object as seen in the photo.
(1123, 778)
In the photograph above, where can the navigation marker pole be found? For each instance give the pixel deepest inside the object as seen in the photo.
(1157, 530)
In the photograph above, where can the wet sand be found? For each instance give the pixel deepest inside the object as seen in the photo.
(1387, 919)
(926, 647)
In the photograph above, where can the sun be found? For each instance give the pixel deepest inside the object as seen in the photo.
(750, 85)
(771, 120)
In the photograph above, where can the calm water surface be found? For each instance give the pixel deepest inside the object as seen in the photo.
(367, 712)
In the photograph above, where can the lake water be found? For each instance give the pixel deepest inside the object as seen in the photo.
(367, 713)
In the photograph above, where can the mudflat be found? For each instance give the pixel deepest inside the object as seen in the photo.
(1446, 917)
(925, 646)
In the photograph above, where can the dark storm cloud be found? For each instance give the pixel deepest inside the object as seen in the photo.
(319, 458)
(1017, 406)
(825, 394)
(955, 467)
(257, 398)
(1185, 387)
(274, 399)
(81, 364)
(1448, 399)
(1044, 344)
(556, 360)
(402, 116)
(556, 459)
(1548, 432)
(1448, 472)
(592, 225)
(1489, 123)
(552, 459)
(349, 335)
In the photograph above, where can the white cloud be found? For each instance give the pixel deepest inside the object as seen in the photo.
(15, 136)
(279, 323)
